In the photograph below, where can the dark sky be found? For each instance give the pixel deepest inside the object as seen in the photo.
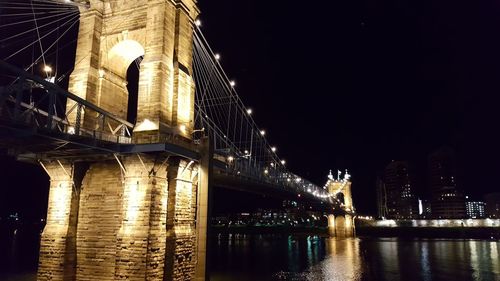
(355, 84)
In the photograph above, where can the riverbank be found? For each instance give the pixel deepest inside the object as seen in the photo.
(460, 229)
(431, 232)
(403, 229)
(270, 230)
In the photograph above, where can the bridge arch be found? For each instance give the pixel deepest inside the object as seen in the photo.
(340, 196)
(112, 75)
(121, 55)
(118, 82)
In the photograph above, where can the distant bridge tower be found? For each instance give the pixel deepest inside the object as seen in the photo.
(141, 216)
(341, 222)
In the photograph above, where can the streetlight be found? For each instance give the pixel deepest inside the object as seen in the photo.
(48, 72)
(183, 128)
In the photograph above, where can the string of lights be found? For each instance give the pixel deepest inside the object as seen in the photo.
(237, 139)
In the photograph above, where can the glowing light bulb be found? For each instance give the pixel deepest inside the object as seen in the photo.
(249, 111)
(263, 133)
(197, 22)
(47, 68)
(283, 162)
(217, 56)
(273, 149)
(232, 83)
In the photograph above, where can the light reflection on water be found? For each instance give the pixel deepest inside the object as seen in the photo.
(312, 258)
(308, 258)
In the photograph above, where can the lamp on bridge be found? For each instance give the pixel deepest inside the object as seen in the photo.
(48, 72)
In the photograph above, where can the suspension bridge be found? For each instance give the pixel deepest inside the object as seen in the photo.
(130, 177)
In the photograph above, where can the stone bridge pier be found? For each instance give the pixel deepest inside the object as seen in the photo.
(341, 225)
(134, 216)
(137, 217)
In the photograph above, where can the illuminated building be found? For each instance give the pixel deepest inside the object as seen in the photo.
(474, 209)
(492, 202)
(424, 208)
(448, 201)
(400, 199)
(381, 199)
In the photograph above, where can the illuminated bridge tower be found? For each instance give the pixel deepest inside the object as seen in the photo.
(341, 222)
(140, 216)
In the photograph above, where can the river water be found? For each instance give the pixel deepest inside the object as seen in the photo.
(292, 257)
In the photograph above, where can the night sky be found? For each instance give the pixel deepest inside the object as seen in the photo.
(351, 85)
(356, 84)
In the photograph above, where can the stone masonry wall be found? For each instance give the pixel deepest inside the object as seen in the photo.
(100, 218)
(142, 236)
(57, 248)
(180, 260)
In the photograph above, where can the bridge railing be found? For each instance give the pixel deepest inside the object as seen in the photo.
(34, 102)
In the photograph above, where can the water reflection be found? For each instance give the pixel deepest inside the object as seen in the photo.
(425, 265)
(313, 258)
(342, 261)
(484, 266)
(244, 257)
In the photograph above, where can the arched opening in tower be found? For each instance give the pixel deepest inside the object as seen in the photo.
(133, 89)
(340, 197)
(120, 73)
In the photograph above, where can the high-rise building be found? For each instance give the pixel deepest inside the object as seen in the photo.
(401, 200)
(424, 208)
(448, 202)
(474, 209)
(381, 199)
(492, 202)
